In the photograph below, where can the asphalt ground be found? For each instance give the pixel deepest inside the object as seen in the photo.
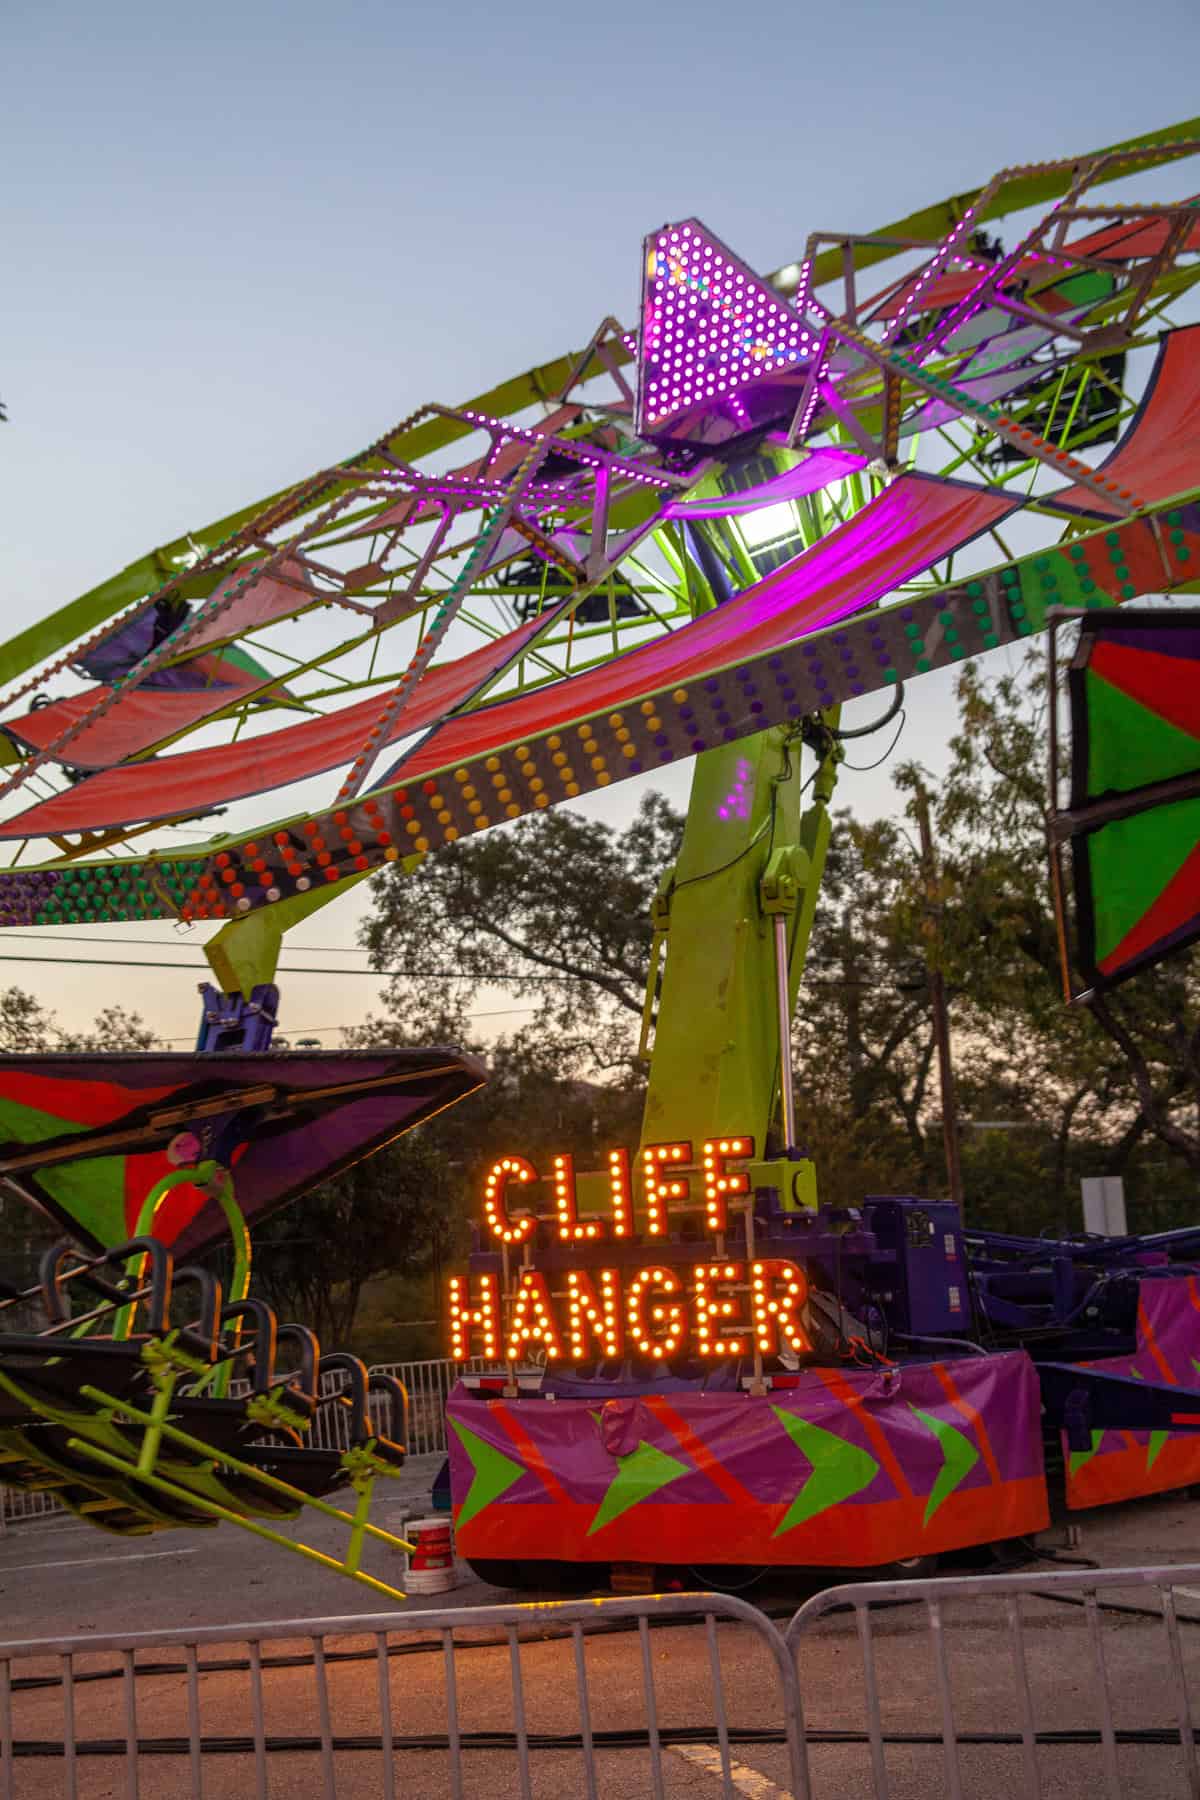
(64, 1579)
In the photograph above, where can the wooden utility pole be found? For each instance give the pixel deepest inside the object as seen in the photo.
(937, 997)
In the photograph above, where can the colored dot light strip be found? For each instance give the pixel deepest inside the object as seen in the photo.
(568, 448)
(855, 657)
(710, 326)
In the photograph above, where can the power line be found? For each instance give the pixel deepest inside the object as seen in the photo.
(81, 937)
(875, 958)
(292, 1031)
(134, 962)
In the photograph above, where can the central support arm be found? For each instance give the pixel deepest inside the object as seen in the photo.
(734, 917)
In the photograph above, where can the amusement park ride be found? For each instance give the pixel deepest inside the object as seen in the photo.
(700, 537)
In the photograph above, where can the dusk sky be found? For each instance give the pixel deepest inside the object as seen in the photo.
(242, 240)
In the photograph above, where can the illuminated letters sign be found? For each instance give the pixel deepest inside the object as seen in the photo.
(611, 1285)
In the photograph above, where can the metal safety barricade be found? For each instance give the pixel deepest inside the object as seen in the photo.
(589, 1697)
(1081, 1680)
(20, 1504)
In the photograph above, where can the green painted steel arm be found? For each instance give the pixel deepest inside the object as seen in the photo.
(750, 851)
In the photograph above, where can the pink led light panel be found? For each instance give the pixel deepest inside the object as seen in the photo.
(709, 326)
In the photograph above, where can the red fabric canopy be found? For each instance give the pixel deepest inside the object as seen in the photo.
(1114, 243)
(263, 603)
(196, 779)
(1159, 455)
(142, 717)
(913, 523)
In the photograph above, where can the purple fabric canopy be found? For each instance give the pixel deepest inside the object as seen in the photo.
(86, 1137)
(815, 472)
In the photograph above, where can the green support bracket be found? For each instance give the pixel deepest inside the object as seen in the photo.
(245, 952)
(751, 855)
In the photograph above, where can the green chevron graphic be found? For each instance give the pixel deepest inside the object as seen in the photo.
(638, 1475)
(1157, 1438)
(959, 1457)
(839, 1470)
(1079, 1457)
(494, 1473)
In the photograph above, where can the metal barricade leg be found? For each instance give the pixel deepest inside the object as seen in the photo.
(949, 1736)
(456, 1787)
(866, 1643)
(259, 1722)
(719, 1714)
(325, 1719)
(518, 1687)
(1112, 1775)
(648, 1694)
(383, 1678)
(585, 1711)
(131, 1728)
(7, 1758)
(1016, 1636)
(1183, 1707)
(193, 1706)
(68, 1681)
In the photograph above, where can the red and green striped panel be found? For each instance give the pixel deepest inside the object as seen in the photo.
(1136, 717)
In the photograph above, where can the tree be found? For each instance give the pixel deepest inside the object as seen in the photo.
(393, 1210)
(25, 1025)
(114, 1030)
(862, 1033)
(557, 908)
(1104, 1077)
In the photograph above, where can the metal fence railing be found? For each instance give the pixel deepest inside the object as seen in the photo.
(1087, 1668)
(1071, 1685)
(19, 1504)
(428, 1383)
(469, 1701)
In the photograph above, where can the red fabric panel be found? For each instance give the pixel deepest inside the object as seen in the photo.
(914, 523)
(1126, 1464)
(142, 717)
(1113, 243)
(1159, 456)
(270, 599)
(1167, 685)
(948, 290)
(197, 778)
(88, 1101)
(852, 1537)
(1132, 237)
(1178, 903)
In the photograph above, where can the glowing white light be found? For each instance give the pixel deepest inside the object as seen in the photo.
(767, 524)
